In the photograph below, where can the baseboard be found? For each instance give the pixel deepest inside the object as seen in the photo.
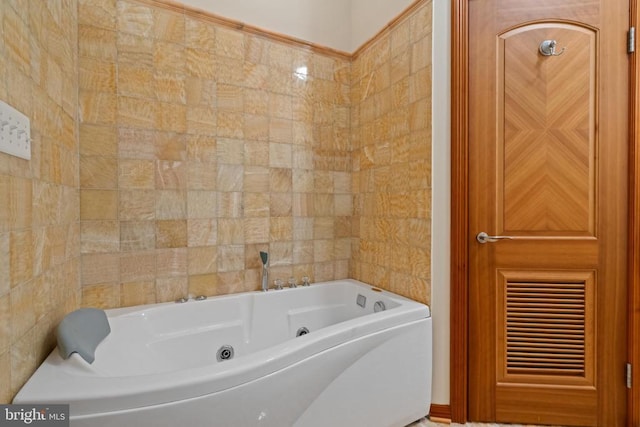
(440, 413)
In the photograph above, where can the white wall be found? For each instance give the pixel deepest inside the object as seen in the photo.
(370, 16)
(441, 199)
(339, 24)
(324, 22)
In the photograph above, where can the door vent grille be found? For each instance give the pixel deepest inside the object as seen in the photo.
(545, 328)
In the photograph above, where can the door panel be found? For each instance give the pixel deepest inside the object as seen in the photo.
(548, 167)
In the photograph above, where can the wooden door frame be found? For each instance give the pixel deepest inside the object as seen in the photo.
(459, 373)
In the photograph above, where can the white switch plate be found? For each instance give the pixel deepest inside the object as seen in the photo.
(15, 132)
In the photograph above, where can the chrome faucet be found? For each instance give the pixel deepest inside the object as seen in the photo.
(265, 271)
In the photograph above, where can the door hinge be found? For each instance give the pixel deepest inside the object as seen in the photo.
(629, 375)
(631, 40)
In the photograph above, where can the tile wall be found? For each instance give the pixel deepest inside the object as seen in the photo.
(39, 202)
(168, 150)
(201, 145)
(391, 139)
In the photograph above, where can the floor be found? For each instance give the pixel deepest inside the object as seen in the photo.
(426, 423)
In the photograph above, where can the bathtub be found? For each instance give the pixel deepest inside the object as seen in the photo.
(338, 353)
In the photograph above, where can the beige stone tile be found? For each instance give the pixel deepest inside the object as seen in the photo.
(256, 230)
(202, 232)
(172, 262)
(200, 63)
(203, 260)
(137, 236)
(99, 237)
(303, 228)
(136, 174)
(303, 252)
(6, 393)
(230, 124)
(230, 231)
(230, 98)
(102, 296)
(135, 18)
(280, 204)
(230, 258)
(256, 76)
(136, 81)
(135, 51)
(229, 43)
(98, 140)
(171, 204)
(302, 204)
(21, 256)
(137, 293)
(200, 92)
(170, 146)
(100, 268)
(16, 211)
(5, 275)
(324, 228)
(256, 153)
(170, 175)
(97, 43)
(201, 204)
(302, 157)
(281, 229)
(324, 204)
(97, 107)
(170, 88)
(169, 26)
(171, 234)
(256, 128)
(171, 288)
(200, 34)
(99, 13)
(280, 56)
(281, 255)
(171, 117)
(203, 284)
(137, 205)
(201, 176)
(256, 205)
(96, 75)
(98, 204)
(256, 102)
(5, 323)
(23, 360)
(280, 180)
(256, 179)
(281, 106)
(230, 178)
(280, 130)
(98, 172)
(202, 120)
(138, 266)
(137, 144)
(280, 155)
(230, 151)
(256, 50)
(202, 149)
(137, 113)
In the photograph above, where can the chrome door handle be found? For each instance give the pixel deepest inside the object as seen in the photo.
(483, 237)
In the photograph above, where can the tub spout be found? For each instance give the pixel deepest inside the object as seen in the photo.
(265, 271)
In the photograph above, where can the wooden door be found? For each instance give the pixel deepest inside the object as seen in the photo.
(548, 140)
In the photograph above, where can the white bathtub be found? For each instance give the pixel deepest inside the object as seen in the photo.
(158, 367)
